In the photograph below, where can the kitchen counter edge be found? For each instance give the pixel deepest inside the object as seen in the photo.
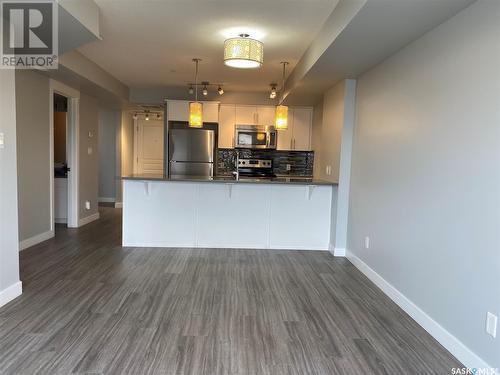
(228, 180)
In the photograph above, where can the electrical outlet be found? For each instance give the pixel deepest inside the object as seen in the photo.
(328, 170)
(491, 324)
(288, 167)
(2, 141)
(90, 150)
(367, 242)
(87, 205)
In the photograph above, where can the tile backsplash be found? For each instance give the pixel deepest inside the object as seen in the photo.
(301, 162)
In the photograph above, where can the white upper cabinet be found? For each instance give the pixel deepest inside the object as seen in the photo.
(298, 135)
(227, 116)
(178, 110)
(266, 115)
(246, 115)
(302, 124)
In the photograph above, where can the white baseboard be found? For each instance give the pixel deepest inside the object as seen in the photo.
(445, 338)
(24, 244)
(106, 200)
(336, 251)
(126, 243)
(8, 294)
(88, 219)
(118, 204)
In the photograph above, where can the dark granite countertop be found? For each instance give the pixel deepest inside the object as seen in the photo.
(289, 180)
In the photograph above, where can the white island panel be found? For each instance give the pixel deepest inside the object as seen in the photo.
(233, 216)
(226, 215)
(157, 214)
(300, 217)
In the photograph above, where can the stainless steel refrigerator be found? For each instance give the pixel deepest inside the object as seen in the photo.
(191, 152)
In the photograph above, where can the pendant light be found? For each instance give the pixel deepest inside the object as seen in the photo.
(243, 52)
(281, 122)
(196, 108)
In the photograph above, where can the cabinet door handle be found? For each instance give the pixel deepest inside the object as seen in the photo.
(294, 143)
(291, 144)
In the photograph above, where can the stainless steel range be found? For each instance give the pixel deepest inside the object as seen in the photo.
(255, 168)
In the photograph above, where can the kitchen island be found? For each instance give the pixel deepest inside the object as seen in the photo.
(221, 212)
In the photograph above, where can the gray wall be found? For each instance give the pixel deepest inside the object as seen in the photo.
(425, 174)
(109, 121)
(330, 132)
(317, 123)
(89, 164)
(126, 163)
(9, 243)
(33, 153)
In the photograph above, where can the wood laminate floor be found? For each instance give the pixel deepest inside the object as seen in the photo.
(92, 307)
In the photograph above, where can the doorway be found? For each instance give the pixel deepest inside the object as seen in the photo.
(64, 127)
(61, 168)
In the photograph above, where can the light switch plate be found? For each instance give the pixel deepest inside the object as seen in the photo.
(2, 145)
(87, 205)
(491, 324)
(90, 150)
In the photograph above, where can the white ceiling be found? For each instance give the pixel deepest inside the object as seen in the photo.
(150, 43)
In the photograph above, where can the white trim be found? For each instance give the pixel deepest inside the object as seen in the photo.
(118, 204)
(106, 200)
(88, 219)
(73, 127)
(11, 292)
(339, 252)
(32, 241)
(445, 338)
(135, 160)
(219, 246)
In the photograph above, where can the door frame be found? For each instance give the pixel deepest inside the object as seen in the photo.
(72, 149)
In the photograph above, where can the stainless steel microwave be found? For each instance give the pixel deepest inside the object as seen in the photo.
(255, 136)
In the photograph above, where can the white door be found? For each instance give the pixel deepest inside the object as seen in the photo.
(246, 115)
(149, 146)
(302, 122)
(227, 118)
(266, 115)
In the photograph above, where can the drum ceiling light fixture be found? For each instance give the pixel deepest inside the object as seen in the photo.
(243, 52)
